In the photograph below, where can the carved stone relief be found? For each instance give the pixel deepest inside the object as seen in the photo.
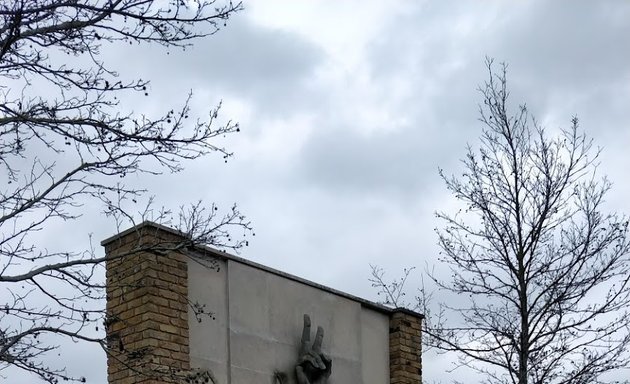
(313, 367)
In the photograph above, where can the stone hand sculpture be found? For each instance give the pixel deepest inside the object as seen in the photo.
(313, 367)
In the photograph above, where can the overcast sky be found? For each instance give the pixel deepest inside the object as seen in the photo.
(348, 108)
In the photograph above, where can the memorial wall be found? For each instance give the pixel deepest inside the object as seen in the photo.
(186, 313)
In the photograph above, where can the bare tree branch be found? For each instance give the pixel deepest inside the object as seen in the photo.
(67, 142)
(540, 272)
(546, 271)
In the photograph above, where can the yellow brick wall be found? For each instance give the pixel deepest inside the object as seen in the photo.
(405, 348)
(147, 307)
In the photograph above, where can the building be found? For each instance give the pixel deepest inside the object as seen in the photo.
(182, 312)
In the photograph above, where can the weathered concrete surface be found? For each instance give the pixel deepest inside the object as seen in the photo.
(209, 346)
(374, 335)
(258, 325)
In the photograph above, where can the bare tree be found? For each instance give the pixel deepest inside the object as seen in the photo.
(392, 292)
(543, 272)
(66, 142)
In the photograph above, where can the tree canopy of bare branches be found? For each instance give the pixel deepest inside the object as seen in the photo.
(542, 271)
(66, 141)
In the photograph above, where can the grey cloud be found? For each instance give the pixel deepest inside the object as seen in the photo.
(569, 44)
(564, 58)
(270, 68)
(402, 162)
(573, 58)
(564, 46)
(269, 72)
(245, 57)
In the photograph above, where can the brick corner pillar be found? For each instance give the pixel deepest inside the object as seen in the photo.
(405, 347)
(147, 306)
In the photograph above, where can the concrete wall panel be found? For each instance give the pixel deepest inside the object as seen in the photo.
(346, 371)
(374, 335)
(249, 308)
(260, 316)
(209, 338)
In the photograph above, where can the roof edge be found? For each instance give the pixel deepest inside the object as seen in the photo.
(407, 311)
(201, 250)
(137, 227)
(364, 302)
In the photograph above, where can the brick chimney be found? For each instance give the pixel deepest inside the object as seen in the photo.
(147, 306)
(405, 347)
